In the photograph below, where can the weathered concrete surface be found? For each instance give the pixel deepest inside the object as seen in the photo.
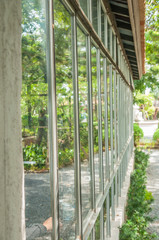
(11, 168)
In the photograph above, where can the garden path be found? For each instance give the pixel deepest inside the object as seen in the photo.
(37, 195)
(153, 186)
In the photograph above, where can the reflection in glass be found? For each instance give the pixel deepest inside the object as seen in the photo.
(105, 217)
(94, 15)
(65, 120)
(117, 116)
(108, 35)
(117, 52)
(102, 26)
(83, 118)
(34, 110)
(89, 238)
(113, 39)
(97, 228)
(83, 4)
(108, 98)
(95, 117)
(113, 113)
(103, 118)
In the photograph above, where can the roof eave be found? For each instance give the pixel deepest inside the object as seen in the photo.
(137, 19)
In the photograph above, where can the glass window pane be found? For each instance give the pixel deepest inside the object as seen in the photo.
(117, 52)
(117, 116)
(89, 238)
(102, 26)
(108, 35)
(103, 119)
(113, 39)
(108, 97)
(83, 4)
(34, 109)
(111, 115)
(95, 118)
(83, 118)
(97, 228)
(94, 15)
(65, 120)
(113, 105)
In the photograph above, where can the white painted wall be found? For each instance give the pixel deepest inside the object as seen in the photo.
(11, 164)
(148, 127)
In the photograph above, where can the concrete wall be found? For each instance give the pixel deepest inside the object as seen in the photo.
(148, 127)
(11, 165)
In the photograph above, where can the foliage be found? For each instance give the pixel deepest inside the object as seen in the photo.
(135, 229)
(145, 102)
(138, 197)
(35, 153)
(34, 102)
(139, 200)
(65, 157)
(34, 85)
(152, 48)
(97, 228)
(150, 79)
(27, 132)
(138, 133)
(156, 135)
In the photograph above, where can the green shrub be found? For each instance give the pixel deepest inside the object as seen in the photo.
(136, 229)
(35, 153)
(156, 135)
(27, 132)
(138, 205)
(138, 134)
(65, 157)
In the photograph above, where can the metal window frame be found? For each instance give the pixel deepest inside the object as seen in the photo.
(117, 171)
(53, 159)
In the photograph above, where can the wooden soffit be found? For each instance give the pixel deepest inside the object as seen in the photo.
(130, 21)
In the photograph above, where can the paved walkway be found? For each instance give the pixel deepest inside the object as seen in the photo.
(153, 186)
(37, 195)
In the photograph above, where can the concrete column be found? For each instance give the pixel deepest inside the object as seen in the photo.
(11, 165)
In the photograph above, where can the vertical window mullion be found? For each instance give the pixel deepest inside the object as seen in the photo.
(115, 47)
(106, 30)
(106, 121)
(90, 10)
(53, 128)
(111, 117)
(91, 154)
(115, 128)
(102, 224)
(118, 115)
(99, 17)
(108, 223)
(116, 189)
(125, 111)
(100, 122)
(112, 201)
(77, 132)
(122, 117)
(111, 43)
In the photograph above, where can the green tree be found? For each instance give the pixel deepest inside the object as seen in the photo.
(34, 73)
(151, 78)
(146, 104)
